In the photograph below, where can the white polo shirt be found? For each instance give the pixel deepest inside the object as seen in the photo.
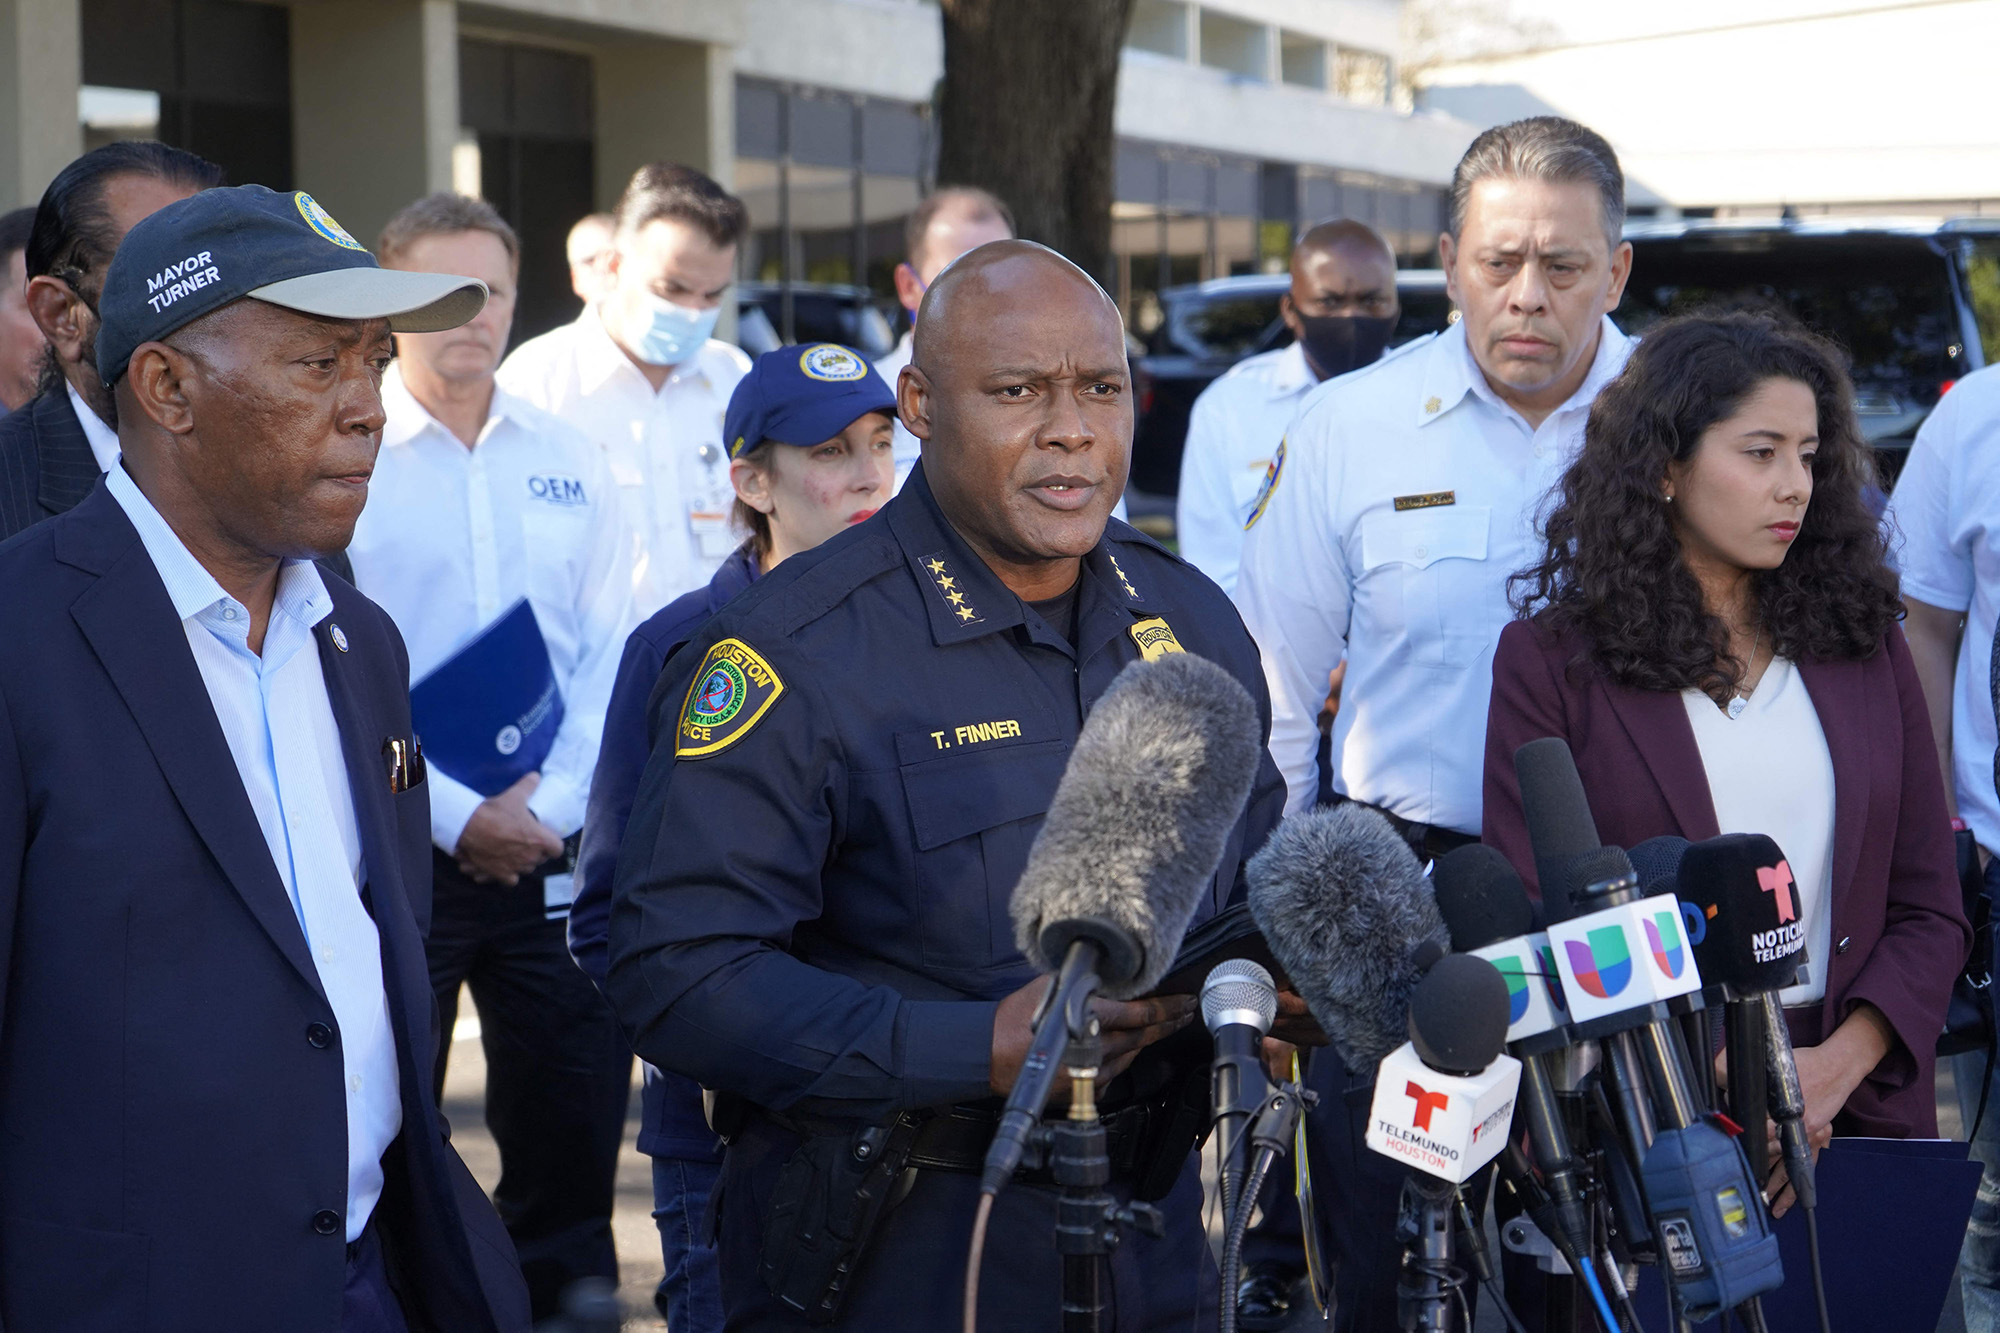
(453, 537)
(1405, 496)
(1233, 430)
(665, 448)
(1946, 510)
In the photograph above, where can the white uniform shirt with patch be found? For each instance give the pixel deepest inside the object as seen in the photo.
(1233, 431)
(666, 448)
(1415, 595)
(453, 537)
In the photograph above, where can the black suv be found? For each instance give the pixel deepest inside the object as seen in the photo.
(1207, 327)
(1915, 303)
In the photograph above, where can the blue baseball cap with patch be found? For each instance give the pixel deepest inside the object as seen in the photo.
(197, 255)
(803, 396)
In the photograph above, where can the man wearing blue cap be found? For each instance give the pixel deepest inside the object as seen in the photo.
(811, 444)
(214, 828)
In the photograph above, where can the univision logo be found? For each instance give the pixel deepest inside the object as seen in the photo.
(1664, 938)
(1554, 980)
(1514, 972)
(1603, 966)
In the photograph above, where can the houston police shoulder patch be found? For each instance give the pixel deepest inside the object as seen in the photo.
(1271, 475)
(832, 363)
(731, 692)
(1155, 638)
(322, 222)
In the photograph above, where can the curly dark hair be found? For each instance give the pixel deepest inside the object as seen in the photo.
(1612, 570)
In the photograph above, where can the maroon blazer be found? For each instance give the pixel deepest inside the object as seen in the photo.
(1899, 929)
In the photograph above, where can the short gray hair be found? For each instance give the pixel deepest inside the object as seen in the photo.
(443, 214)
(1547, 148)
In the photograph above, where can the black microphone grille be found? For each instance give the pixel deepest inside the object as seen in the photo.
(1657, 863)
(1557, 812)
(1595, 868)
(1458, 1014)
(1481, 897)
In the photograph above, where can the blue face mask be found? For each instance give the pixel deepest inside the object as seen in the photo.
(661, 333)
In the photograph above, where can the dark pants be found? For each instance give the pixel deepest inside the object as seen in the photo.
(911, 1278)
(367, 1304)
(690, 1292)
(558, 1074)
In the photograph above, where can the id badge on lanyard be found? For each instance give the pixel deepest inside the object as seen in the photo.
(710, 499)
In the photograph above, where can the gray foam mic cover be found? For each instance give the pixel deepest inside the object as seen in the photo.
(1341, 899)
(1160, 773)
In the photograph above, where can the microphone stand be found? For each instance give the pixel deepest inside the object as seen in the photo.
(1429, 1279)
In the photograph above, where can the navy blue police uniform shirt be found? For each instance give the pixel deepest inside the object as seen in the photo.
(671, 1122)
(851, 762)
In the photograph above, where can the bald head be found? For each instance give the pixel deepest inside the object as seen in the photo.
(1019, 388)
(1342, 305)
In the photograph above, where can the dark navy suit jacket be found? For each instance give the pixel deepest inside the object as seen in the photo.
(1899, 927)
(171, 1110)
(46, 466)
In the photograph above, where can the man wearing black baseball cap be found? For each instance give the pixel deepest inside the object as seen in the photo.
(214, 834)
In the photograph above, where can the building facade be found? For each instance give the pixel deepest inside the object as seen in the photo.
(1238, 120)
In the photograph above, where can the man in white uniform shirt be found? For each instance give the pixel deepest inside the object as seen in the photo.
(1946, 508)
(638, 373)
(1404, 498)
(1342, 311)
(480, 501)
(947, 224)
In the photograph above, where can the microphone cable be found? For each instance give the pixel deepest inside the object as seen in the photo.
(974, 1258)
(1587, 1270)
(1818, 1273)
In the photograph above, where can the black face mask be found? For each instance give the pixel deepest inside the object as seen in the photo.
(1336, 344)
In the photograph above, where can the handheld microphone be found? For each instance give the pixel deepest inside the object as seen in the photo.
(1238, 1003)
(1158, 776)
(1444, 1099)
(1342, 902)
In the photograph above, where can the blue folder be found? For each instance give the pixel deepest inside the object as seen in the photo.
(488, 715)
(1892, 1214)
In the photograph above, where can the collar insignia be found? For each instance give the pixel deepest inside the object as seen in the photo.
(1155, 638)
(731, 692)
(947, 587)
(1119, 570)
(1431, 405)
(338, 635)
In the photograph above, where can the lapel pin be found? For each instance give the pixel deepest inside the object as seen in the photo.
(1431, 405)
(339, 637)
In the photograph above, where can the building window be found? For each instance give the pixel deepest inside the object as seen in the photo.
(1362, 76)
(1302, 60)
(1161, 27)
(210, 76)
(830, 179)
(527, 112)
(1232, 44)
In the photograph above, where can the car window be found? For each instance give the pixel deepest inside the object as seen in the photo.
(1982, 281)
(1226, 326)
(1886, 300)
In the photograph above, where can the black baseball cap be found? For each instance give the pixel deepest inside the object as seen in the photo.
(197, 255)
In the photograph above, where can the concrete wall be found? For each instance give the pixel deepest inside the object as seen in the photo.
(888, 48)
(662, 99)
(41, 65)
(374, 104)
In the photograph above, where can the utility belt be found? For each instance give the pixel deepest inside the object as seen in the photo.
(837, 1185)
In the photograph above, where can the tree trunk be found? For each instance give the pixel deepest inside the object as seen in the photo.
(1025, 111)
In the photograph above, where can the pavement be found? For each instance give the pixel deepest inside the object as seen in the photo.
(639, 1264)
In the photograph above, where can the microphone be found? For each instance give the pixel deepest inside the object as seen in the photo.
(1160, 772)
(1238, 1003)
(1560, 826)
(1342, 902)
(1444, 1099)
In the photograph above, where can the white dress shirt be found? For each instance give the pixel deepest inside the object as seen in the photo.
(453, 537)
(274, 713)
(103, 440)
(908, 447)
(1946, 507)
(665, 448)
(1414, 593)
(1777, 730)
(1233, 430)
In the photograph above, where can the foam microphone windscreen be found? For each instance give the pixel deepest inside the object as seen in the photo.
(1657, 863)
(1560, 825)
(1743, 913)
(1458, 1015)
(1157, 779)
(1481, 897)
(1343, 904)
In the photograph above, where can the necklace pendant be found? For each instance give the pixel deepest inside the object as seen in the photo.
(1736, 707)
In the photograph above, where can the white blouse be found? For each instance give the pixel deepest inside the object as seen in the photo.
(1769, 772)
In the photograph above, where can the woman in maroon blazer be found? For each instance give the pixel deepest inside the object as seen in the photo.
(1714, 633)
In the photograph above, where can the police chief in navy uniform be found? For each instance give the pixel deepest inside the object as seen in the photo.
(850, 763)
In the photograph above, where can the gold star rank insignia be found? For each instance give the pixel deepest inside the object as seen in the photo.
(1431, 405)
(1119, 570)
(731, 692)
(946, 584)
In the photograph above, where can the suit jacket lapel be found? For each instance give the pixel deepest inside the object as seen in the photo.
(1656, 721)
(1840, 697)
(132, 627)
(68, 469)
